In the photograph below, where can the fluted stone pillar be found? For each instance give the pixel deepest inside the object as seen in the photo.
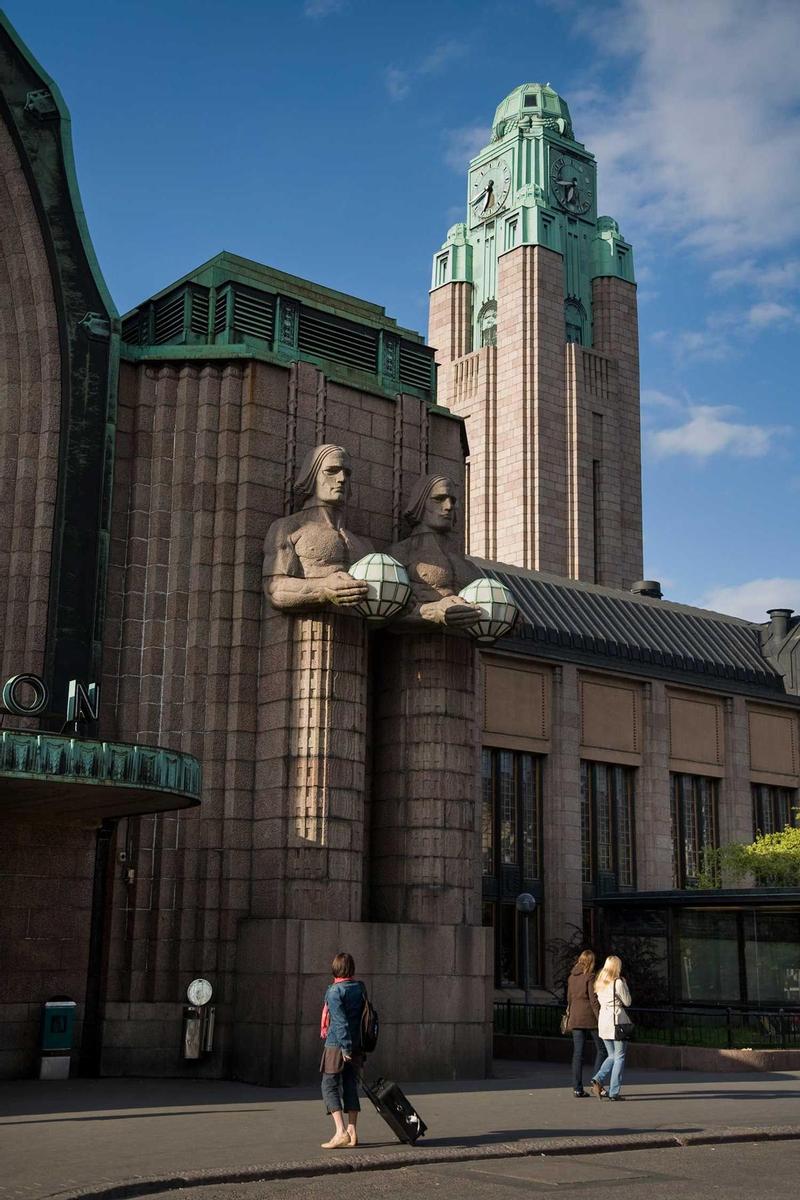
(655, 852)
(424, 819)
(309, 856)
(563, 905)
(736, 800)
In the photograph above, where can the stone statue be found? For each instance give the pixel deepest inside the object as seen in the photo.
(435, 563)
(306, 555)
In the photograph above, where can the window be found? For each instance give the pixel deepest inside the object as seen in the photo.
(607, 825)
(773, 808)
(511, 233)
(511, 857)
(511, 813)
(694, 825)
(441, 269)
(531, 100)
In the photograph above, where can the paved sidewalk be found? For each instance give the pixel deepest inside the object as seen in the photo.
(87, 1137)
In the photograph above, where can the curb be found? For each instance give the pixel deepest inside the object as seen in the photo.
(422, 1156)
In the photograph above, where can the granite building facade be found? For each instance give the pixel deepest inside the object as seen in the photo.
(387, 790)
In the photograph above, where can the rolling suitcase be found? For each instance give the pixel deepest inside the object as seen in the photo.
(396, 1110)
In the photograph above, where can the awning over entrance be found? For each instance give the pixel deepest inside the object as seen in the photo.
(46, 775)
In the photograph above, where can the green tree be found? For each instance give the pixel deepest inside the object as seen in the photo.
(772, 859)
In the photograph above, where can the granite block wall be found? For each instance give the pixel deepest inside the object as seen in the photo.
(431, 986)
(45, 910)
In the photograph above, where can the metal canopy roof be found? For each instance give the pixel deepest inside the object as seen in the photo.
(564, 614)
(47, 774)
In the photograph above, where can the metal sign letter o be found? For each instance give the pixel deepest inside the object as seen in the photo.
(13, 704)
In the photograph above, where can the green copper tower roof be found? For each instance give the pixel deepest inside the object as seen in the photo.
(532, 104)
(533, 184)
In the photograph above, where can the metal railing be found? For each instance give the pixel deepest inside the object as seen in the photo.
(715, 1028)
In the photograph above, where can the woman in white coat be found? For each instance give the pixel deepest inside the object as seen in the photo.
(614, 997)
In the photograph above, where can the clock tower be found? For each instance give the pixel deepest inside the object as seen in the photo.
(533, 314)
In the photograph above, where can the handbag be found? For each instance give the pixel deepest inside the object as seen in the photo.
(564, 1025)
(623, 1030)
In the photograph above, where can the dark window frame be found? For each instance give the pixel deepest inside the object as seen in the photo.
(690, 821)
(619, 866)
(774, 807)
(519, 869)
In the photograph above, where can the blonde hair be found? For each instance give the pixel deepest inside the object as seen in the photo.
(609, 972)
(585, 962)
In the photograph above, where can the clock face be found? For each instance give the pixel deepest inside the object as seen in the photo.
(571, 184)
(489, 188)
(199, 992)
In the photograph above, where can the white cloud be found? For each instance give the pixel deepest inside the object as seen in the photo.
(752, 599)
(703, 143)
(398, 80)
(769, 312)
(397, 83)
(724, 333)
(316, 9)
(440, 56)
(775, 277)
(463, 144)
(711, 343)
(710, 430)
(654, 399)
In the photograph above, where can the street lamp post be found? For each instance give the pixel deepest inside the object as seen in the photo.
(526, 904)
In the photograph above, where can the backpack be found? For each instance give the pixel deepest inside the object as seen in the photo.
(370, 1026)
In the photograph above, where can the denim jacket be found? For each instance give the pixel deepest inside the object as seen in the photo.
(345, 1002)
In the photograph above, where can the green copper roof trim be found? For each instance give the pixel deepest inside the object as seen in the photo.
(234, 302)
(611, 254)
(50, 757)
(65, 131)
(337, 372)
(225, 267)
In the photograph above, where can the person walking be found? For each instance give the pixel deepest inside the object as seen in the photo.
(342, 1058)
(582, 1010)
(614, 997)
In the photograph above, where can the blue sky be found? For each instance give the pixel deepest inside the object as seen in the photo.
(330, 138)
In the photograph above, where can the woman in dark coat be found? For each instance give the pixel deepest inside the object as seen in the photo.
(583, 1008)
(342, 1058)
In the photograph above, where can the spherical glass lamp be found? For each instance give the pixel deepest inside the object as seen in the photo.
(497, 604)
(389, 586)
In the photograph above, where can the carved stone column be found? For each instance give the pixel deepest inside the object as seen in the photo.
(424, 820)
(308, 860)
(327, 747)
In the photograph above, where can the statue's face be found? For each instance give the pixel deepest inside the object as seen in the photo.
(333, 479)
(440, 507)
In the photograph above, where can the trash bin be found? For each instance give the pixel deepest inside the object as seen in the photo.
(58, 1027)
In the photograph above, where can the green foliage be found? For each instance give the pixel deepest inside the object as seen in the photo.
(773, 860)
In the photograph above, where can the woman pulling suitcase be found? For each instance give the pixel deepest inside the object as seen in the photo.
(342, 1057)
(349, 1028)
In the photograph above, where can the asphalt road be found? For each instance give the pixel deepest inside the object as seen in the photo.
(756, 1171)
